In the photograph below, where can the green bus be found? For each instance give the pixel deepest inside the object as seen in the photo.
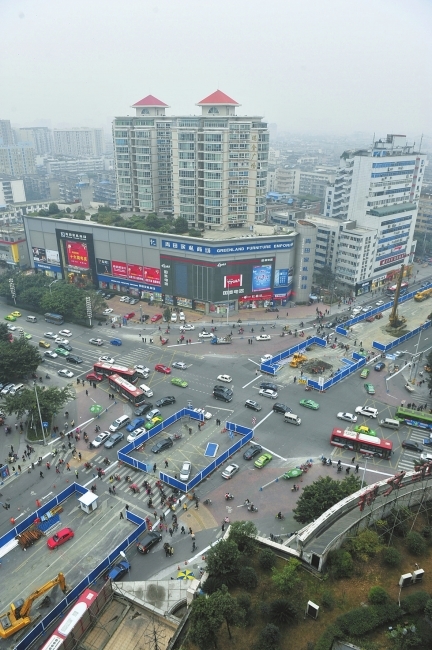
(422, 419)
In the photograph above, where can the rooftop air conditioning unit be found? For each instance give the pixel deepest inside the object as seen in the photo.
(405, 579)
(312, 609)
(417, 576)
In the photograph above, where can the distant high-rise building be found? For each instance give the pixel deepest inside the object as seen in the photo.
(6, 133)
(210, 169)
(39, 137)
(79, 142)
(11, 190)
(17, 160)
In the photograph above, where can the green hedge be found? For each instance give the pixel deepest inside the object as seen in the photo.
(415, 602)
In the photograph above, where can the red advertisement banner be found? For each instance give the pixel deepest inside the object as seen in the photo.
(135, 272)
(231, 281)
(119, 269)
(77, 254)
(152, 275)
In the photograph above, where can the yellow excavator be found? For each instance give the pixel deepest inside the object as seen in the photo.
(18, 615)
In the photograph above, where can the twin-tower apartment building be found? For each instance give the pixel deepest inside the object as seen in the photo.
(210, 169)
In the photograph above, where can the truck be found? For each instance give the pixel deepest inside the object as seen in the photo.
(18, 615)
(216, 340)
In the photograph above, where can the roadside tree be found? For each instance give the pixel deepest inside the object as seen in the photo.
(18, 359)
(205, 621)
(243, 533)
(322, 495)
(222, 559)
(4, 333)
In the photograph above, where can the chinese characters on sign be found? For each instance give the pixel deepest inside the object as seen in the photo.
(77, 254)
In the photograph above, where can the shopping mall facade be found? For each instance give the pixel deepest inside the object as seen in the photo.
(235, 267)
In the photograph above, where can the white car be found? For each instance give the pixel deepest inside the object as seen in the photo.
(356, 311)
(263, 337)
(205, 335)
(182, 316)
(185, 471)
(59, 339)
(124, 299)
(179, 364)
(349, 417)
(66, 333)
(49, 335)
(266, 392)
(226, 378)
(368, 411)
(131, 437)
(64, 372)
(426, 457)
(11, 327)
(106, 359)
(186, 327)
(173, 317)
(207, 415)
(108, 311)
(142, 371)
(230, 470)
(266, 357)
(103, 435)
(368, 308)
(379, 303)
(96, 341)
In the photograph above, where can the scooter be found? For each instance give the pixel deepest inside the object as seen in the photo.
(272, 327)
(117, 477)
(229, 496)
(252, 508)
(88, 465)
(207, 502)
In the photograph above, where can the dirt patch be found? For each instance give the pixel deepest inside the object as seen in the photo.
(316, 366)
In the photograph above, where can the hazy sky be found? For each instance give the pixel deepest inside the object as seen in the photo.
(333, 66)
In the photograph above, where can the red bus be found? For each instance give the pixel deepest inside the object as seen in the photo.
(361, 443)
(69, 622)
(126, 389)
(107, 369)
(392, 290)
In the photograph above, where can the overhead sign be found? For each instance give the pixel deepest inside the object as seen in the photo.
(227, 250)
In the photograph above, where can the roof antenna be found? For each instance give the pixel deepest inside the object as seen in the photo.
(421, 141)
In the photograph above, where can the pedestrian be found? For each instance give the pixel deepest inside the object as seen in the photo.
(121, 515)
(182, 531)
(41, 475)
(68, 467)
(79, 455)
(190, 531)
(76, 473)
(155, 514)
(185, 506)
(72, 423)
(126, 507)
(113, 489)
(223, 523)
(70, 444)
(87, 393)
(357, 468)
(110, 490)
(19, 468)
(193, 536)
(196, 505)
(154, 468)
(166, 463)
(193, 547)
(170, 530)
(353, 459)
(12, 451)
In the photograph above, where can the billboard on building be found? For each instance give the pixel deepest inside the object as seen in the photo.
(135, 272)
(52, 257)
(119, 269)
(103, 267)
(77, 255)
(262, 278)
(39, 254)
(152, 275)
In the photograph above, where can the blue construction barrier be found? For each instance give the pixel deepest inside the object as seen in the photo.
(272, 366)
(382, 347)
(123, 454)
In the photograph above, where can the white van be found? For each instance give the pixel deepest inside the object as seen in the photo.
(118, 424)
(292, 418)
(182, 317)
(16, 389)
(146, 390)
(390, 424)
(31, 319)
(173, 317)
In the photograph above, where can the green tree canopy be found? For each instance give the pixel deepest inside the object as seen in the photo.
(4, 333)
(287, 578)
(228, 607)
(53, 209)
(181, 225)
(243, 533)
(18, 359)
(223, 558)
(321, 495)
(51, 401)
(205, 621)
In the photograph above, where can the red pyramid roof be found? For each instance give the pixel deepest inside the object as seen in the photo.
(150, 100)
(218, 97)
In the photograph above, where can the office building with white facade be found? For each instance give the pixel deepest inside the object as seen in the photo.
(80, 142)
(210, 169)
(17, 160)
(39, 137)
(6, 133)
(11, 191)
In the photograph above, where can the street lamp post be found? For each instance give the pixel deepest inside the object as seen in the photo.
(89, 309)
(228, 305)
(12, 290)
(53, 282)
(40, 414)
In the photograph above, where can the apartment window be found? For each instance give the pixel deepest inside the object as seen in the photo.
(213, 110)
(307, 250)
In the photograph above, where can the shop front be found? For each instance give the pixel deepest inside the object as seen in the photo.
(363, 288)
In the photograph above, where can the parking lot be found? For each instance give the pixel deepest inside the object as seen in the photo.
(190, 447)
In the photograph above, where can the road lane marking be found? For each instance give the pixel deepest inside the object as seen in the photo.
(255, 362)
(252, 381)
(263, 420)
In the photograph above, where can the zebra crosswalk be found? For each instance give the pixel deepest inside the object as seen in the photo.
(122, 487)
(409, 458)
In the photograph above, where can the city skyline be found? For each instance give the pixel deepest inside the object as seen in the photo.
(336, 68)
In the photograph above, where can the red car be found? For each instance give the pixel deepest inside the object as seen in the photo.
(60, 538)
(155, 318)
(159, 367)
(92, 376)
(129, 316)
